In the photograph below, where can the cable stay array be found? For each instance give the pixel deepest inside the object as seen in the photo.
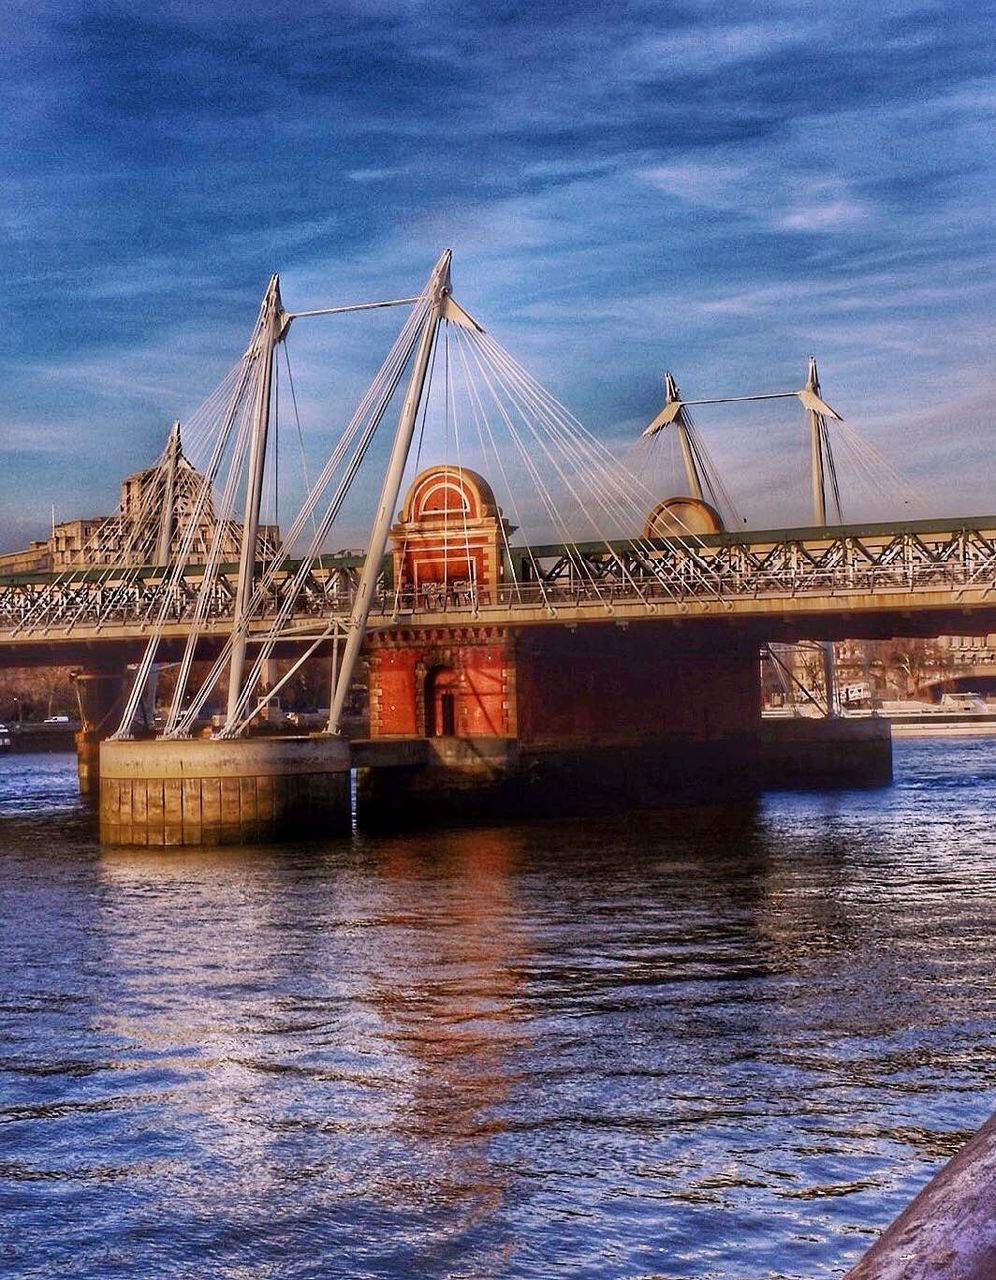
(701, 474)
(237, 462)
(831, 440)
(221, 594)
(124, 549)
(466, 402)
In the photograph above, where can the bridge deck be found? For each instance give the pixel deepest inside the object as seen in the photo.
(904, 569)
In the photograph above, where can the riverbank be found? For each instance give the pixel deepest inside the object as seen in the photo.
(947, 728)
(927, 724)
(43, 737)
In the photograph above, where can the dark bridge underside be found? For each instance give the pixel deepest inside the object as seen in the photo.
(112, 652)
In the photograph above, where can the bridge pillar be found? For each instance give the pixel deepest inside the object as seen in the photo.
(556, 718)
(100, 696)
(209, 791)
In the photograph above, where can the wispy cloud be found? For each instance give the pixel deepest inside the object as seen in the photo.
(705, 49)
(701, 183)
(830, 215)
(374, 175)
(623, 188)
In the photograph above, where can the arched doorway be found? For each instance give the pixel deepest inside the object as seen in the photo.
(441, 686)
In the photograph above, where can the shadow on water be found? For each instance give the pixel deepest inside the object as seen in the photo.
(710, 1042)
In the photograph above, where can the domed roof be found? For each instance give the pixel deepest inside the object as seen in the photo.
(444, 492)
(679, 516)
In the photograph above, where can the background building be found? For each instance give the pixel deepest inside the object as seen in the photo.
(131, 535)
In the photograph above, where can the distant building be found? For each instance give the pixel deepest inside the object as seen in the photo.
(870, 672)
(132, 535)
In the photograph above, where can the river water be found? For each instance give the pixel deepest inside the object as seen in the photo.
(712, 1043)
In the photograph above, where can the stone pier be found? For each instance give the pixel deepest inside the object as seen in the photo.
(435, 781)
(100, 695)
(204, 791)
(812, 751)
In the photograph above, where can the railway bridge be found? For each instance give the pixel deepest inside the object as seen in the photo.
(616, 656)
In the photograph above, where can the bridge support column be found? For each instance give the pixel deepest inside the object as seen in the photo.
(549, 720)
(100, 696)
(234, 791)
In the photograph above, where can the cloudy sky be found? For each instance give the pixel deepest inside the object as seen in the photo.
(716, 189)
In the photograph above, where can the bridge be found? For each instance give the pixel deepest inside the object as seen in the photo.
(876, 580)
(548, 554)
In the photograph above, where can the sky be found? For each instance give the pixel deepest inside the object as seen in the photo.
(711, 188)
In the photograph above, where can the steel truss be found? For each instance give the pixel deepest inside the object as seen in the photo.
(935, 557)
(43, 608)
(874, 559)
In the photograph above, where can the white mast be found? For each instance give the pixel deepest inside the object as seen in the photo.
(274, 322)
(441, 306)
(674, 411)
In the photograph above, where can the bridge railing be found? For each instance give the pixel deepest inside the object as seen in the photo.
(678, 587)
(561, 578)
(27, 608)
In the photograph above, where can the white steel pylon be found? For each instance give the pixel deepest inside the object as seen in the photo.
(822, 465)
(442, 306)
(821, 455)
(674, 411)
(273, 325)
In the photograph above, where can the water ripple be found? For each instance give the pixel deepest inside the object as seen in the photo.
(716, 1043)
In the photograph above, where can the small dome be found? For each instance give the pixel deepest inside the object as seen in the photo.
(442, 493)
(677, 516)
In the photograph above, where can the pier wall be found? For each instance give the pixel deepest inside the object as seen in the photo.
(195, 792)
(437, 781)
(596, 684)
(557, 719)
(101, 694)
(550, 720)
(405, 666)
(441, 781)
(816, 752)
(618, 684)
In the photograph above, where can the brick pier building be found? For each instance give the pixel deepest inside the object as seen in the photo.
(597, 709)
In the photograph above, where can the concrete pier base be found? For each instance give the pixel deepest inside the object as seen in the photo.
(813, 751)
(433, 781)
(101, 696)
(202, 791)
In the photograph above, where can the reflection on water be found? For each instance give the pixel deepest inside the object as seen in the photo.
(714, 1043)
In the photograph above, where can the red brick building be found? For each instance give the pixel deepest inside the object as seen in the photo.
(593, 684)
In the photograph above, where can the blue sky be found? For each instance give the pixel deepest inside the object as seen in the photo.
(711, 188)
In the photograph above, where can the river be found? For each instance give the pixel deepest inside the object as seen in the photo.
(706, 1043)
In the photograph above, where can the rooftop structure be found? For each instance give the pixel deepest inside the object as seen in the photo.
(154, 512)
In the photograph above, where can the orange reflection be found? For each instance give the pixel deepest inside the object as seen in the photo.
(447, 995)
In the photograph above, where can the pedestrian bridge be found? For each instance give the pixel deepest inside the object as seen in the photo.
(933, 574)
(467, 551)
